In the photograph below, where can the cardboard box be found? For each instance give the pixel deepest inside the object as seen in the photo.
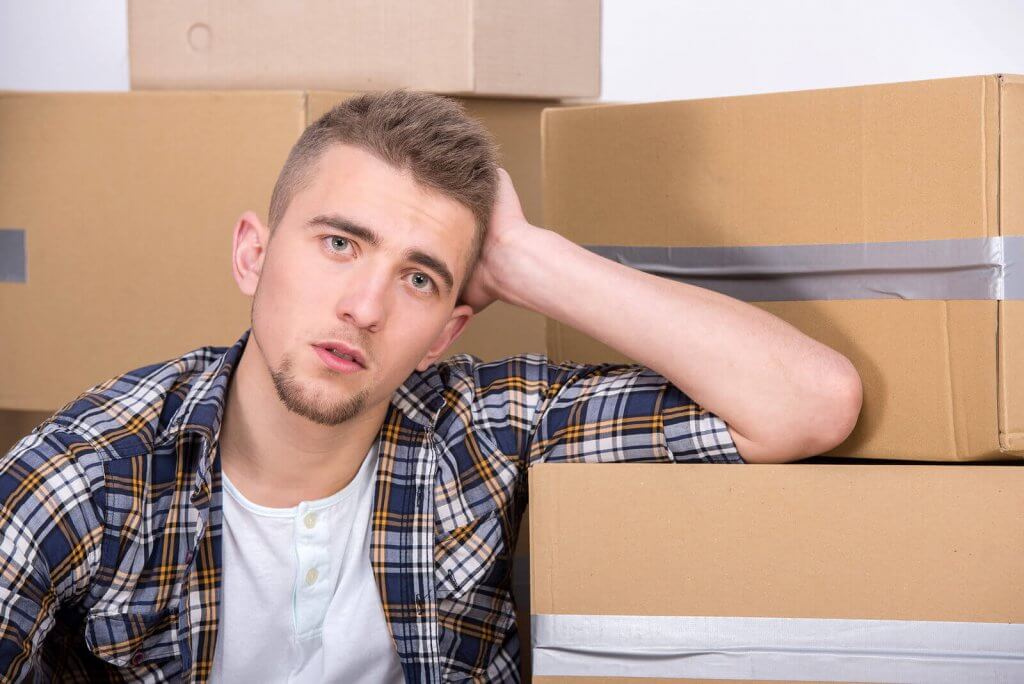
(913, 548)
(935, 160)
(127, 202)
(530, 48)
(16, 424)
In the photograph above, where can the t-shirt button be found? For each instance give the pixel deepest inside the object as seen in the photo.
(310, 520)
(311, 576)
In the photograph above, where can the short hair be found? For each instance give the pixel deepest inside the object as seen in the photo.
(428, 135)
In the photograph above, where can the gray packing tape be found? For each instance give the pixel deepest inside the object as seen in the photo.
(970, 268)
(13, 268)
(798, 649)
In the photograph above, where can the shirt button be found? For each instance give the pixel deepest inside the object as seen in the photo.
(137, 658)
(311, 576)
(310, 520)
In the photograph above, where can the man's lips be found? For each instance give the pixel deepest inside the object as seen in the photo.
(341, 348)
(337, 363)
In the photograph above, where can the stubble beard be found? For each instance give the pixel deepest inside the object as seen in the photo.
(296, 398)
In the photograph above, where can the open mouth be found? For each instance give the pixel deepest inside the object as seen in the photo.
(337, 360)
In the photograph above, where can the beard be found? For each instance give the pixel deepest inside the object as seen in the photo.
(298, 399)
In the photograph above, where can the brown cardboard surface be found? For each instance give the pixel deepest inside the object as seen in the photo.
(525, 49)
(128, 201)
(1011, 329)
(894, 162)
(904, 542)
(16, 424)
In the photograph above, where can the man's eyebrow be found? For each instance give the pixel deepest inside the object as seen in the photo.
(347, 226)
(369, 236)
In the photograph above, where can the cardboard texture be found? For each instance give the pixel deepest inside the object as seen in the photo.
(128, 201)
(899, 542)
(16, 424)
(530, 48)
(923, 160)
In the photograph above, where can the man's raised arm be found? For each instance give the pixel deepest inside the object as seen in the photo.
(783, 395)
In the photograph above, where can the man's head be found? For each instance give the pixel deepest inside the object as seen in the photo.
(376, 221)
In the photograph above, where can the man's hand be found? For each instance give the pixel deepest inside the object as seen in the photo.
(506, 227)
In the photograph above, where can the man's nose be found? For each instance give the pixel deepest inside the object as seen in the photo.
(365, 299)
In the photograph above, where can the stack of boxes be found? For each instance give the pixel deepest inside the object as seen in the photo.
(117, 209)
(882, 221)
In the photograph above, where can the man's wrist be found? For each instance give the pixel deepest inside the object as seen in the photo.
(521, 263)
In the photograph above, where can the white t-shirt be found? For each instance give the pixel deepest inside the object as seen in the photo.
(299, 602)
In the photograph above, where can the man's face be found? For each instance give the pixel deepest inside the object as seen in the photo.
(322, 280)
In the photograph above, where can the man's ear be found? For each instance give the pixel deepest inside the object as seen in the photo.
(248, 251)
(457, 322)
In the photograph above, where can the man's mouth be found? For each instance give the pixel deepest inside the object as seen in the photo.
(340, 355)
(337, 352)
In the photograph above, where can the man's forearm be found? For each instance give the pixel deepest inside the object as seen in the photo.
(781, 392)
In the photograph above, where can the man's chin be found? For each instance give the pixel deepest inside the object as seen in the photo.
(318, 400)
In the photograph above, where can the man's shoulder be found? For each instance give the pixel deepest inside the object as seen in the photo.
(131, 412)
(471, 371)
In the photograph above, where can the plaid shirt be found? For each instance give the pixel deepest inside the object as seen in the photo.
(111, 517)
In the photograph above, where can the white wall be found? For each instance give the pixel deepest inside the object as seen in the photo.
(653, 49)
(665, 49)
(63, 45)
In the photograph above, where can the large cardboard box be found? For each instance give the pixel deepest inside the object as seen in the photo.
(900, 166)
(529, 48)
(127, 202)
(862, 572)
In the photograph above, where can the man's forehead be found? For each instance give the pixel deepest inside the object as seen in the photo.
(355, 183)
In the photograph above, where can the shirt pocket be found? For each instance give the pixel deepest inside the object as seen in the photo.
(475, 611)
(466, 555)
(132, 639)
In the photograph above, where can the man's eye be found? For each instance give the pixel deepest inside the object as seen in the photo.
(337, 243)
(418, 278)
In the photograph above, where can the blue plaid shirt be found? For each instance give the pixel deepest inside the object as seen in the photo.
(111, 510)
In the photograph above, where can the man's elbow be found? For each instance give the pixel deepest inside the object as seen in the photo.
(839, 409)
(824, 425)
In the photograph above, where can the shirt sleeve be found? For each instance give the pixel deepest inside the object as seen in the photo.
(612, 412)
(50, 540)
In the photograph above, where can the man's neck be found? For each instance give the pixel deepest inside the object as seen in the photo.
(277, 458)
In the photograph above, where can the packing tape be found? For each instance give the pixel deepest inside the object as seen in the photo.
(797, 649)
(12, 256)
(970, 268)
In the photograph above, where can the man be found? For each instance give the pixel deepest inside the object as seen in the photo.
(326, 500)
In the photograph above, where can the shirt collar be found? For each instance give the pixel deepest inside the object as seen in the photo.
(419, 399)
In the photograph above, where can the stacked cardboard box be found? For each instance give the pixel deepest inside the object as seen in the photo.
(884, 221)
(796, 572)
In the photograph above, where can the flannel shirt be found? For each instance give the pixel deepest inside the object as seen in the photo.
(110, 510)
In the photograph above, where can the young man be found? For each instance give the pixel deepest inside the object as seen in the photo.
(325, 500)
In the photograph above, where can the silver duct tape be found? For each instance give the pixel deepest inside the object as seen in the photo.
(975, 268)
(13, 268)
(798, 649)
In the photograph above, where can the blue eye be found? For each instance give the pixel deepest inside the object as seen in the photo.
(335, 238)
(424, 277)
